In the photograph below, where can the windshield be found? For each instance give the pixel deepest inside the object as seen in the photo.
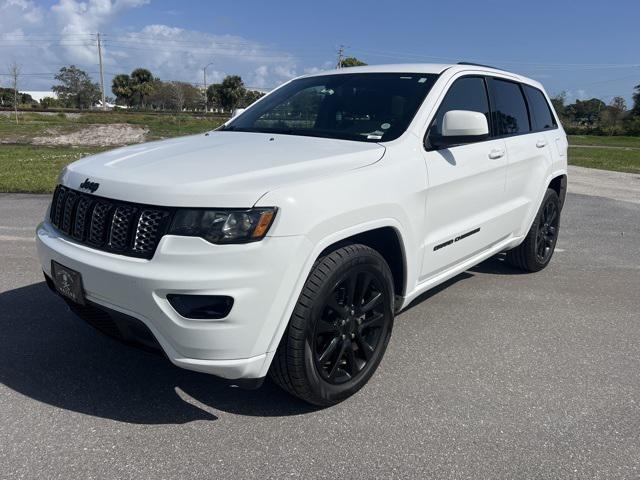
(368, 107)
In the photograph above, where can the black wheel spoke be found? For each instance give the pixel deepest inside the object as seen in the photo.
(351, 290)
(363, 286)
(372, 303)
(350, 356)
(374, 320)
(340, 310)
(336, 365)
(331, 348)
(365, 348)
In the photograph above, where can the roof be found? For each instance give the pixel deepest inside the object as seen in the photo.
(391, 68)
(434, 68)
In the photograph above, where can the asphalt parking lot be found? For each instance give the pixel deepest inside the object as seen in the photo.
(496, 374)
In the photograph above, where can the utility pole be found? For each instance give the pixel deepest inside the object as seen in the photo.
(340, 56)
(15, 73)
(204, 73)
(104, 105)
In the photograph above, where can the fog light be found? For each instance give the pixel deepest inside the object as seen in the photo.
(201, 306)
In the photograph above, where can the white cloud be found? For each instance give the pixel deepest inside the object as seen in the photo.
(43, 40)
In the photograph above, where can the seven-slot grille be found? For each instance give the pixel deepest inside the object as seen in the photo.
(118, 227)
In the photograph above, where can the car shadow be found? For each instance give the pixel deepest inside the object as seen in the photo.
(497, 265)
(50, 355)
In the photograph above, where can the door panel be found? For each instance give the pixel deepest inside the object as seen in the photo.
(465, 203)
(465, 199)
(529, 160)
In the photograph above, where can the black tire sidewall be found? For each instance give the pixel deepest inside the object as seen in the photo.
(549, 195)
(323, 391)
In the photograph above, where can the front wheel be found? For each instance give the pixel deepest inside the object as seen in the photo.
(339, 329)
(535, 252)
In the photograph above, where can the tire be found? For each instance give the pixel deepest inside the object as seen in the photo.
(535, 252)
(333, 345)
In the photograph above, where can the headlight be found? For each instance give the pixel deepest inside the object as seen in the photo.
(223, 226)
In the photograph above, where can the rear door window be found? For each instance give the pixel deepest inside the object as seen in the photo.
(509, 110)
(540, 112)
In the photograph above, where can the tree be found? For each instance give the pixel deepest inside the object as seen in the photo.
(213, 95)
(228, 94)
(76, 89)
(49, 102)
(185, 96)
(351, 62)
(585, 112)
(611, 117)
(141, 85)
(121, 87)
(160, 96)
(249, 97)
(635, 111)
(558, 102)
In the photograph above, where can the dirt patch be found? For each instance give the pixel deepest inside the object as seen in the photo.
(111, 135)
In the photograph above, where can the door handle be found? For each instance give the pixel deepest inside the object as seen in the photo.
(496, 153)
(541, 144)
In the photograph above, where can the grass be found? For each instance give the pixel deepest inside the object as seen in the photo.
(621, 141)
(616, 159)
(28, 169)
(160, 126)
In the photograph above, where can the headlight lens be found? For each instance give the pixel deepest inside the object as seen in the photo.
(223, 226)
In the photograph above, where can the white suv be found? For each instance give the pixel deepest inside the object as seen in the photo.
(285, 241)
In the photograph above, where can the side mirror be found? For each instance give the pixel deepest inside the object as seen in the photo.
(460, 127)
(237, 112)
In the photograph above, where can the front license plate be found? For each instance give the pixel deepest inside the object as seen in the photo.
(68, 282)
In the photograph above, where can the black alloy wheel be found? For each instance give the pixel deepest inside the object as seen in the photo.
(350, 326)
(547, 233)
(536, 250)
(339, 329)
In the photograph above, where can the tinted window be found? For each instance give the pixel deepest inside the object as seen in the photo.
(540, 112)
(509, 108)
(466, 93)
(368, 107)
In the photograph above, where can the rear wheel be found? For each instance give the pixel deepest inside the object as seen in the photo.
(535, 252)
(339, 329)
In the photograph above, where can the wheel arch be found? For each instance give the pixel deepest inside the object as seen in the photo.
(559, 185)
(387, 241)
(371, 233)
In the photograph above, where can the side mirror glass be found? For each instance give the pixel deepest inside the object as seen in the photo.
(460, 127)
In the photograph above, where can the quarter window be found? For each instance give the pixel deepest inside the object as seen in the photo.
(468, 93)
(540, 112)
(509, 109)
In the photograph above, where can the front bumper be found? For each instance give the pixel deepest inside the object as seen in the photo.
(261, 277)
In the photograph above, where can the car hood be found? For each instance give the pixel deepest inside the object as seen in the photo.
(218, 169)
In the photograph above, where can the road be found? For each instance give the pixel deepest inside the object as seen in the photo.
(496, 374)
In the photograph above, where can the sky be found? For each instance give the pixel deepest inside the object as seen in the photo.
(586, 49)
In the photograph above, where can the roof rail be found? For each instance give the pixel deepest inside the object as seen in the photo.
(478, 65)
